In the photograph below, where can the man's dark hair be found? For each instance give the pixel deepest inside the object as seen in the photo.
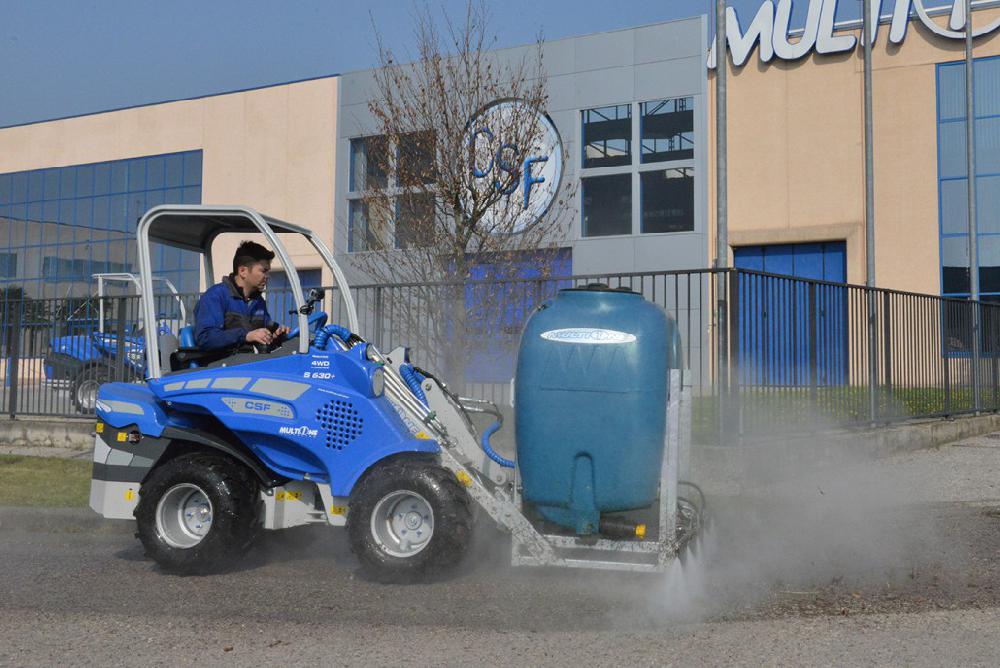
(250, 253)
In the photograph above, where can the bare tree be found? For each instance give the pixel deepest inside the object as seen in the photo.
(449, 172)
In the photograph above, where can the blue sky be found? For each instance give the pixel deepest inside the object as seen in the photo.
(66, 57)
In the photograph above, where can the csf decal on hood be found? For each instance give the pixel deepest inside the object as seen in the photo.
(588, 335)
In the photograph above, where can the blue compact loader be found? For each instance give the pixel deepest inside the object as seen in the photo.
(324, 428)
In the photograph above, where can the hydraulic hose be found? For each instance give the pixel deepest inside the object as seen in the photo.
(484, 441)
(413, 380)
(324, 335)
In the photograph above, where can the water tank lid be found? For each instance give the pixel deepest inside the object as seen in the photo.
(599, 287)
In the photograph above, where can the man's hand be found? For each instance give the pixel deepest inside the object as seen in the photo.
(261, 336)
(282, 331)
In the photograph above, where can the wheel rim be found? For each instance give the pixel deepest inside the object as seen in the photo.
(86, 394)
(402, 523)
(183, 516)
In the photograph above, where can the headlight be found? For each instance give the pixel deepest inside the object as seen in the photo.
(372, 354)
(378, 382)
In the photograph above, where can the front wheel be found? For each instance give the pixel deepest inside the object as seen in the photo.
(409, 520)
(197, 513)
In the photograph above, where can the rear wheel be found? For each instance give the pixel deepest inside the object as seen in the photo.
(86, 383)
(197, 513)
(409, 520)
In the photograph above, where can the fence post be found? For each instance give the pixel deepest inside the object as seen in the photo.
(887, 342)
(947, 363)
(976, 357)
(722, 279)
(813, 357)
(379, 323)
(120, 339)
(872, 303)
(736, 403)
(14, 352)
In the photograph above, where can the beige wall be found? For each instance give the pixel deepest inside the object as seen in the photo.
(271, 148)
(796, 153)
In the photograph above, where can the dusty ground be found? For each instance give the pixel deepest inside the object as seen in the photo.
(893, 562)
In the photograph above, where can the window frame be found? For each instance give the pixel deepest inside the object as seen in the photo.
(392, 190)
(636, 167)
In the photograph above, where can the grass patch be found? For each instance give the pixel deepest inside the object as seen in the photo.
(44, 481)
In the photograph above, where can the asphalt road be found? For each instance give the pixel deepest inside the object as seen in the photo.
(895, 562)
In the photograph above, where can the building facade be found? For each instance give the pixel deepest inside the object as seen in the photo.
(634, 110)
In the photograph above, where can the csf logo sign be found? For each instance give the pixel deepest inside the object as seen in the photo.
(527, 177)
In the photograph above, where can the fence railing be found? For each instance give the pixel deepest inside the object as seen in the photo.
(766, 352)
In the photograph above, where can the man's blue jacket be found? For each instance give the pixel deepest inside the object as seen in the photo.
(224, 316)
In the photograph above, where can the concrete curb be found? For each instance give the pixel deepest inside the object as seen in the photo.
(48, 432)
(729, 467)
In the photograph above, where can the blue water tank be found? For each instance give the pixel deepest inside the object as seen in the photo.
(590, 404)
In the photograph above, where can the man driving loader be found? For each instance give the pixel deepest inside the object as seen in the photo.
(232, 314)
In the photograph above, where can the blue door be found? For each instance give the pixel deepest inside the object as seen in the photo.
(784, 324)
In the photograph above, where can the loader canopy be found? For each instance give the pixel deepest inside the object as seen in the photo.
(195, 227)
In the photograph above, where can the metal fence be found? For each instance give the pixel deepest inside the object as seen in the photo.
(765, 352)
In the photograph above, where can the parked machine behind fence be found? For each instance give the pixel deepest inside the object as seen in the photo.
(327, 429)
(84, 362)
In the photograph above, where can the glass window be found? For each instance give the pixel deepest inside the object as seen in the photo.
(415, 220)
(119, 176)
(987, 146)
(951, 152)
(5, 189)
(36, 186)
(136, 207)
(607, 205)
(136, 175)
(78, 228)
(102, 179)
(667, 130)
(192, 168)
(668, 200)
(51, 187)
(19, 188)
(955, 265)
(987, 205)
(954, 206)
(986, 74)
(951, 91)
(358, 239)
(174, 171)
(369, 163)
(8, 265)
(67, 182)
(154, 173)
(989, 263)
(417, 164)
(607, 136)
(84, 181)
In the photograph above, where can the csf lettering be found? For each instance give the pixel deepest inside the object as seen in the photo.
(257, 405)
(503, 162)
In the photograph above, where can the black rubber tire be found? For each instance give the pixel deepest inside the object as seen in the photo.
(449, 503)
(233, 493)
(93, 373)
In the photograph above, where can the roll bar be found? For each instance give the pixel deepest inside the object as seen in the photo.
(194, 227)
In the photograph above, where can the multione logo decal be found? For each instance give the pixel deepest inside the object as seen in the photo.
(770, 29)
(588, 335)
(494, 165)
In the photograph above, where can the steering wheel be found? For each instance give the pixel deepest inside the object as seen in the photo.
(316, 320)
